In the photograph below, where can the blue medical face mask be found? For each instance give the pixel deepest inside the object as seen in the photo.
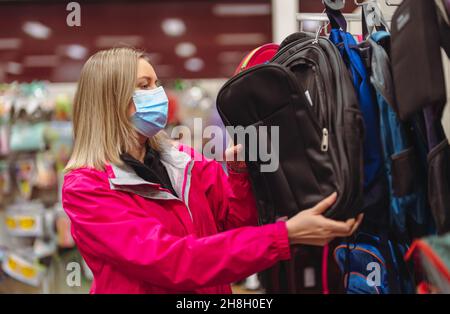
(151, 111)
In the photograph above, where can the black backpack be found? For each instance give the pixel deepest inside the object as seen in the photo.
(306, 91)
(418, 74)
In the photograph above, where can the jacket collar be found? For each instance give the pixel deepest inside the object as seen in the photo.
(178, 164)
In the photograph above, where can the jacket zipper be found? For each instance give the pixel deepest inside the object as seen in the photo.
(187, 188)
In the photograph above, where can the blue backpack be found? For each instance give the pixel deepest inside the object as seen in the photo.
(373, 265)
(409, 213)
(361, 81)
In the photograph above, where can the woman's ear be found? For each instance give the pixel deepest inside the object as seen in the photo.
(131, 108)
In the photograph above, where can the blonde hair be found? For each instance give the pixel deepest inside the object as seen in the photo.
(102, 128)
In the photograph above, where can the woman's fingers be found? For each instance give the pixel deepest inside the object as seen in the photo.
(323, 205)
(350, 221)
(359, 219)
(232, 153)
(311, 227)
(340, 228)
(357, 223)
(345, 229)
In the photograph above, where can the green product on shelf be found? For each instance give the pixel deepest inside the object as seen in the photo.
(27, 137)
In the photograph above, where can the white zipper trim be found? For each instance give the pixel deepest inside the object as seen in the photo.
(188, 187)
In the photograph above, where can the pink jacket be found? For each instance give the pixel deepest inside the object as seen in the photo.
(137, 237)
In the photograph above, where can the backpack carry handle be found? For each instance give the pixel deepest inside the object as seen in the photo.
(337, 19)
(371, 19)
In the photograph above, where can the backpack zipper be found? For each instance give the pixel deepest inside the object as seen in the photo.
(324, 146)
(313, 45)
(321, 78)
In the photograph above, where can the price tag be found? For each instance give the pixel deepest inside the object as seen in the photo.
(24, 224)
(22, 270)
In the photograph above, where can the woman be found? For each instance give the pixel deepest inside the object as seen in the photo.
(150, 216)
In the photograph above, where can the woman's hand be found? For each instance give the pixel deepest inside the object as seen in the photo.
(311, 227)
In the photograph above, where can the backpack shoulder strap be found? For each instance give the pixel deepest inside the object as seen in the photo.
(337, 19)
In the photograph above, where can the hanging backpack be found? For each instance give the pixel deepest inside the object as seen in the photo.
(349, 51)
(409, 213)
(259, 55)
(418, 74)
(373, 265)
(311, 269)
(307, 94)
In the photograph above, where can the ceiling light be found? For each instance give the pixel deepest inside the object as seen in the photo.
(41, 61)
(196, 93)
(115, 41)
(36, 30)
(250, 39)
(241, 9)
(185, 49)
(173, 27)
(10, 43)
(14, 68)
(75, 51)
(194, 64)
